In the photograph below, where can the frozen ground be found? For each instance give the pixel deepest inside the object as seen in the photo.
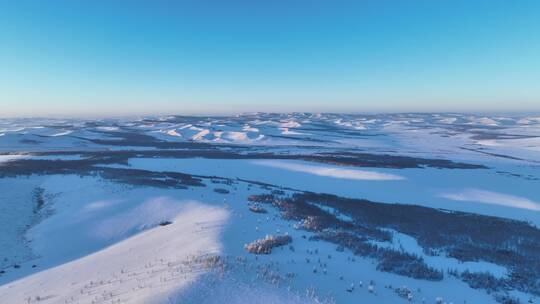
(147, 267)
(379, 208)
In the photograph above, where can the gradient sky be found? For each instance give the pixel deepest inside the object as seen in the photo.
(134, 57)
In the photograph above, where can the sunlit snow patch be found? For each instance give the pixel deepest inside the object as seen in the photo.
(286, 131)
(200, 135)
(330, 171)
(174, 133)
(494, 198)
(67, 132)
(10, 157)
(148, 214)
(146, 268)
(289, 124)
(248, 128)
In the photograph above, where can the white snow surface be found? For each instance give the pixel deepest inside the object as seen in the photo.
(328, 171)
(495, 198)
(102, 241)
(145, 268)
(6, 158)
(434, 134)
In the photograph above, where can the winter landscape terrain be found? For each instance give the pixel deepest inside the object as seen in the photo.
(271, 208)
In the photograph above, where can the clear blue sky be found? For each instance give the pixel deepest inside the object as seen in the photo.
(132, 57)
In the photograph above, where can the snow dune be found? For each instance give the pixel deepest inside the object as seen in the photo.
(330, 171)
(248, 128)
(529, 120)
(174, 133)
(146, 268)
(494, 198)
(232, 136)
(448, 120)
(289, 124)
(287, 131)
(486, 121)
(107, 128)
(67, 132)
(201, 134)
(357, 125)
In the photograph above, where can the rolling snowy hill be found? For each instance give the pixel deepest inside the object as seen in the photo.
(271, 208)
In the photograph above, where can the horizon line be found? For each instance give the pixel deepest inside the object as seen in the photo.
(232, 114)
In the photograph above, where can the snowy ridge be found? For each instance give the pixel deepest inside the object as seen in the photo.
(516, 135)
(147, 267)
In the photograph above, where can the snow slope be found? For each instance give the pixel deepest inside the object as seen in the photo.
(145, 268)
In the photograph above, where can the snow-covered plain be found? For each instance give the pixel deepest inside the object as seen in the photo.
(158, 209)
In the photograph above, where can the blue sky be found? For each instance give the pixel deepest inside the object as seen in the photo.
(135, 57)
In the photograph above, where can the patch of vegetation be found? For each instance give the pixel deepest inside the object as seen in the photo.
(483, 280)
(389, 260)
(257, 209)
(94, 166)
(265, 245)
(512, 244)
(39, 198)
(221, 191)
(353, 236)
